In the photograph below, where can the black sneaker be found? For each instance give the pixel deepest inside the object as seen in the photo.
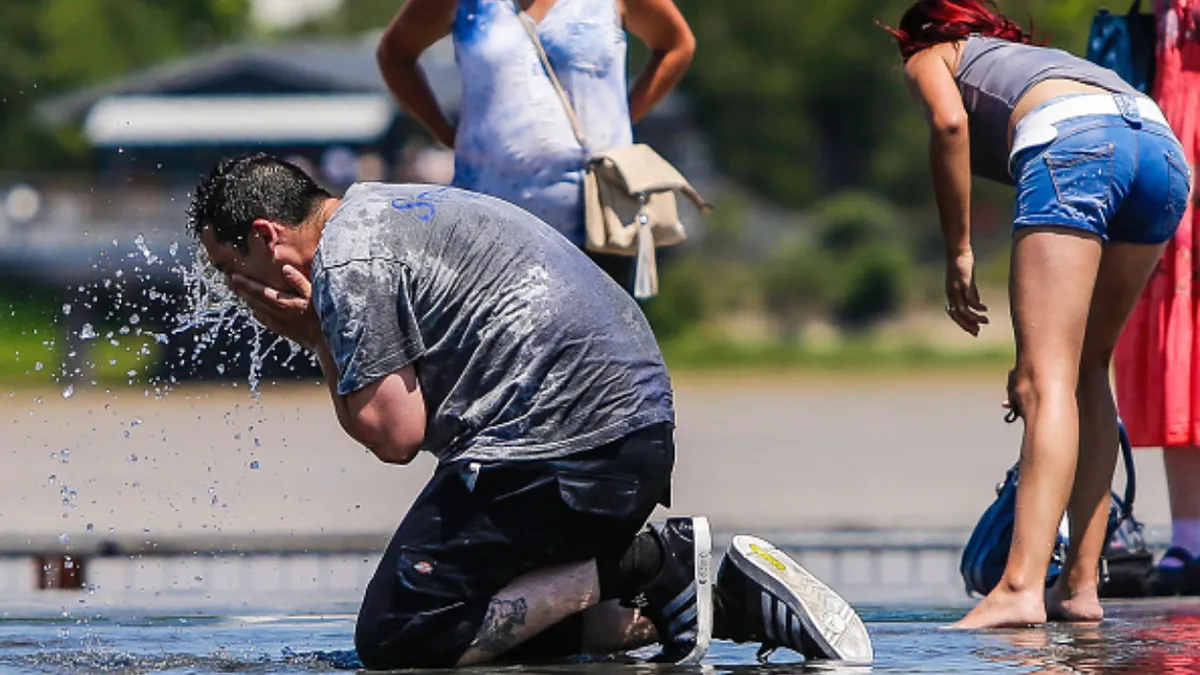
(765, 596)
(1181, 579)
(679, 599)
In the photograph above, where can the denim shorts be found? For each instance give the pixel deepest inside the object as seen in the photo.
(1122, 179)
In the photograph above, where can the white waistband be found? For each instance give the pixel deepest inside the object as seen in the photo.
(1037, 128)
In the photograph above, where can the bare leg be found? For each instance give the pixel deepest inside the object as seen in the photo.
(1053, 275)
(531, 604)
(1124, 269)
(538, 600)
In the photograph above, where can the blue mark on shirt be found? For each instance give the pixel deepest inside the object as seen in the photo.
(424, 203)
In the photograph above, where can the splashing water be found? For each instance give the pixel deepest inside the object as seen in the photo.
(212, 309)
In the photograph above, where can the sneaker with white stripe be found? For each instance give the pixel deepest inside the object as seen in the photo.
(765, 596)
(678, 600)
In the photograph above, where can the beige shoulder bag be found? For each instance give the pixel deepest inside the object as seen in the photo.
(630, 203)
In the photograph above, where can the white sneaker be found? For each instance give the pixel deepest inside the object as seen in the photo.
(776, 602)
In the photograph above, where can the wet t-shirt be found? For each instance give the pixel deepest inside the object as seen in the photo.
(523, 348)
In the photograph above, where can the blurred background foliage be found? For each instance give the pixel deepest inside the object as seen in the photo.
(825, 217)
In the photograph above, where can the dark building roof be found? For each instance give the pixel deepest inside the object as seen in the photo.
(321, 67)
(310, 67)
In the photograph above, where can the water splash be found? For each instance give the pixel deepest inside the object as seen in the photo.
(212, 309)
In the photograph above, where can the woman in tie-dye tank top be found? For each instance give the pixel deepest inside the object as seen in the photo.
(513, 139)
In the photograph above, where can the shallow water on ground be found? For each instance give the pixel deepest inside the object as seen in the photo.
(1139, 637)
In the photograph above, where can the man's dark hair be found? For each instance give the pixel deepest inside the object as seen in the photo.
(239, 190)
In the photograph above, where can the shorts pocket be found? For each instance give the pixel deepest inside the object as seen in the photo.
(599, 494)
(1082, 176)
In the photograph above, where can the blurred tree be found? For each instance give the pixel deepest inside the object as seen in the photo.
(52, 46)
(354, 18)
(855, 268)
(802, 99)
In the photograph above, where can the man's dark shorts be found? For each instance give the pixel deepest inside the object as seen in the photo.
(476, 528)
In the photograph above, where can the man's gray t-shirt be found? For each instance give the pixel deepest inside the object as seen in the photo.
(523, 348)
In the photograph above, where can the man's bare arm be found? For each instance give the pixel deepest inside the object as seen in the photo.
(387, 416)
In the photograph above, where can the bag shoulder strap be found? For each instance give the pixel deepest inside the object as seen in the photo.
(531, 30)
(1130, 477)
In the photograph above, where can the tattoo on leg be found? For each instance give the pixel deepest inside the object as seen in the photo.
(503, 617)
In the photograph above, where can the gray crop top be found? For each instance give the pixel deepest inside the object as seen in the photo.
(994, 74)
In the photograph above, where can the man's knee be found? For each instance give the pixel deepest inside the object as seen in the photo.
(431, 638)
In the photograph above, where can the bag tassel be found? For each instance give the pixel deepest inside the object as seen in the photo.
(645, 284)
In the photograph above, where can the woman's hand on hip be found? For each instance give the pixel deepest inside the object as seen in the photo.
(962, 297)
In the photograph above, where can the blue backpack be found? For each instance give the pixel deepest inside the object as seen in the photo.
(1126, 45)
(1123, 566)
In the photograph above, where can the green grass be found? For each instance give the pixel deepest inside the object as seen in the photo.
(29, 336)
(704, 353)
(32, 349)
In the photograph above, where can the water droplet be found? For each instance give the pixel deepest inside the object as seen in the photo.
(38, 366)
(87, 332)
(257, 443)
(64, 456)
(254, 465)
(69, 391)
(63, 539)
(134, 320)
(137, 422)
(90, 527)
(52, 479)
(133, 459)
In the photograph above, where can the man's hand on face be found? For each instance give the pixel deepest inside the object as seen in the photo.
(288, 312)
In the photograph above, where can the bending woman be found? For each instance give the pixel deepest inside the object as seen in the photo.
(1101, 185)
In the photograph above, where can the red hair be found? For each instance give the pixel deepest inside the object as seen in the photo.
(931, 22)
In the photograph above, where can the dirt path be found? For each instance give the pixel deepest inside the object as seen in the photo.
(784, 452)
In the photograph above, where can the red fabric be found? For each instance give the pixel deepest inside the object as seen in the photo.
(1157, 360)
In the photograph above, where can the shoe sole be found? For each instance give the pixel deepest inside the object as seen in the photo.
(702, 561)
(834, 626)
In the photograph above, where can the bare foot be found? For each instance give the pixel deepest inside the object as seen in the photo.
(1081, 605)
(1006, 608)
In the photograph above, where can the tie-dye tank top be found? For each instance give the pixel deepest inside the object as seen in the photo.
(514, 138)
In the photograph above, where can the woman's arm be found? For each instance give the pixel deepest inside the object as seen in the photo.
(664, 30)
(949, 147)
(417, 25)
(930, 79)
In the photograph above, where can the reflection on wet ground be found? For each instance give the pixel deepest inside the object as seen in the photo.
(1138, 637)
